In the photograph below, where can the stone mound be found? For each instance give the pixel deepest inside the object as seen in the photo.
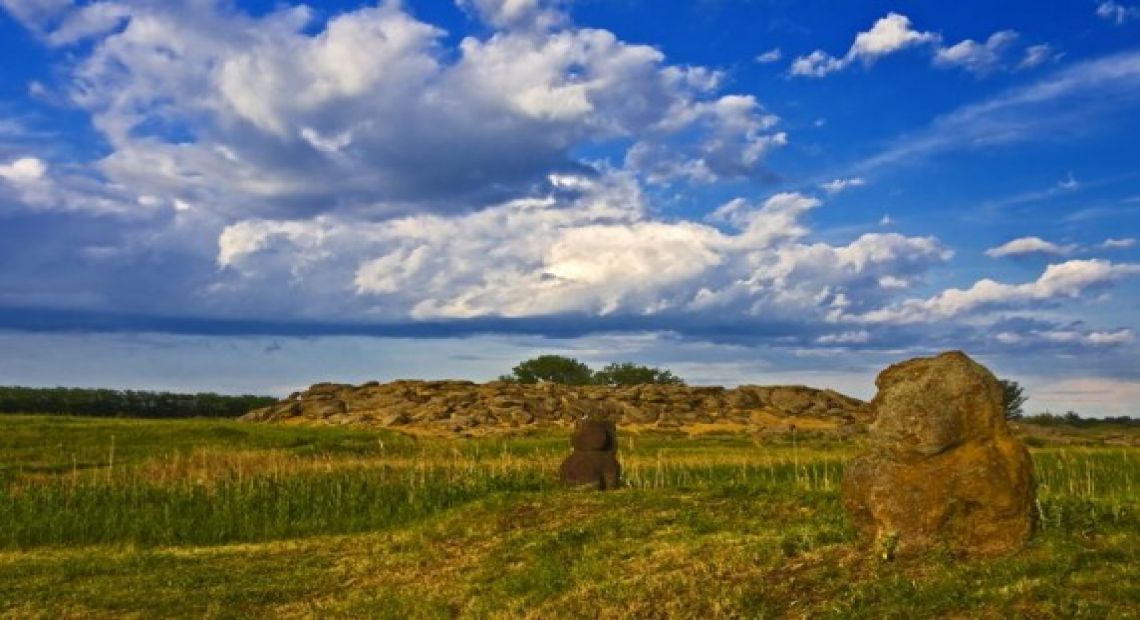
(461, 406)
(943, 470)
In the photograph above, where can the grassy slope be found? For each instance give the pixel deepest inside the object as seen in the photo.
(710, 527)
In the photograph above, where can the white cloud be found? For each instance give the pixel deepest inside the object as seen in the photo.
(817, 64)
(23, 170)
(1116, 12)
(267, 116)
(597, 253)
(1118, 244)
(895, 33)
(888, 35)
(90, 21)
(515, 13)
(977, 58)
(770, 56)
(856, 337)
(1029, 245)
(1069, 336)
(1064, 280)
(1036, 55)
(838, 185)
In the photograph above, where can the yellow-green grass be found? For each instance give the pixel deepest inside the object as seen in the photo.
(224, 519)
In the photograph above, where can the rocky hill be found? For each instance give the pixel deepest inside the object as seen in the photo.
(466, 407)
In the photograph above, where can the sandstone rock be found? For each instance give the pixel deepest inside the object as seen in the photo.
(593, 464)
(943, 470)
(394, 419)
(424, 403)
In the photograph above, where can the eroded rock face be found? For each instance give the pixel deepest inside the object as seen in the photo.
(471, 407)
(943, 471)
(594, 461)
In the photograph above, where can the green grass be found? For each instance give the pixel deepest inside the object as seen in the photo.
(222, 519)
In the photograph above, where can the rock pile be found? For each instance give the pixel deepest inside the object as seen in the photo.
(593, 463)
(459, 406)
(944, 470)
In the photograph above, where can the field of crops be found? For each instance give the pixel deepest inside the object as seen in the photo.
(108, 517)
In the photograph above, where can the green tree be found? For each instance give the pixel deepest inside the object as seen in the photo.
(628, 373)
(553, 369)
(1012, 399)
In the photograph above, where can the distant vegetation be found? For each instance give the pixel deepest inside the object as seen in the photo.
(126, 403)
(1072, 418)
(569, 371)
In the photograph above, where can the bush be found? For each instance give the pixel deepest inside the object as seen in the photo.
(628, 373)
(569, 371)
(553, 369)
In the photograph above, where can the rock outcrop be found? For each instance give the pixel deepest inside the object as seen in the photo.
(943, 471)
(462, 406)
(593, 464)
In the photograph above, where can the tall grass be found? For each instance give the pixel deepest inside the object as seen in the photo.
(249, 486)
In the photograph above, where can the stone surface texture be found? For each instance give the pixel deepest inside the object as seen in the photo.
(943, 470)
(465, 407)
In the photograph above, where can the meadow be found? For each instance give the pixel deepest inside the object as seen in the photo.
(216, 518)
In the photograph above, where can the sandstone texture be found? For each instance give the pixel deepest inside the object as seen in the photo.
(593, 464)
(465, 407)
(943, 470)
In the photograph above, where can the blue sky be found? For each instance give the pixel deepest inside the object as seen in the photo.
(253, 196)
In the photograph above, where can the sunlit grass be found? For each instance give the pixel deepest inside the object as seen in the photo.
(193, 518)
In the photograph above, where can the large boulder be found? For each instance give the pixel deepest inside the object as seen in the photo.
(943, 471)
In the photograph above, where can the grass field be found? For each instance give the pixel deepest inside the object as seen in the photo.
(196, 518)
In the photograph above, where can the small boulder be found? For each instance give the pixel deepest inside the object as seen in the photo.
(593, 464)
(943, 470)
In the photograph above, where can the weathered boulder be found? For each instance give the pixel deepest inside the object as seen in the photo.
(943, 471)
(593, 463)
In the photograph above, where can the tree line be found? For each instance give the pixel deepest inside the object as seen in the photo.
(126, 403)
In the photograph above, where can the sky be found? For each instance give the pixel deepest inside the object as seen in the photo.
(252, 196)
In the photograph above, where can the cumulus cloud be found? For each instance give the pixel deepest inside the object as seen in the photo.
(370, 168)
(975, 57)
(1116, 12)
(895, 33)
(838, 185)
(23, 170)
(1063, 280)
(1029, 245)
(515, 13)
(273, 116)
(596, 252)
(888, 35)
